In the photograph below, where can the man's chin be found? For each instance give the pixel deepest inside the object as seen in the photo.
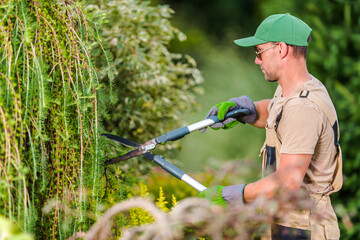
(271, 80)
(270, 77)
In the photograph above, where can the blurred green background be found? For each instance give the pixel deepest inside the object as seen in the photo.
(226, 75)
(229, 71)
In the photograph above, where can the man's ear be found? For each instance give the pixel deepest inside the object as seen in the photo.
(283, 49)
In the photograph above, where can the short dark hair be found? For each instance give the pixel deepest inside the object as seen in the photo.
(301, 50)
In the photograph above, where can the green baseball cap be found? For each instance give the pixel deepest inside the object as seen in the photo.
(279, 28)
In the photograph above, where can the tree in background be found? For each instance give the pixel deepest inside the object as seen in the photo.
(152, 85)
(57, 80)
(212, 23)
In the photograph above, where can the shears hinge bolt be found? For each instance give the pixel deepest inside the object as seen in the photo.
(148, 147)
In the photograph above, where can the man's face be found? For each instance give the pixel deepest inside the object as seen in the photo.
(266, 60)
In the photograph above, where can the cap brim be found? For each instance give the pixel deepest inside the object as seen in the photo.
(249, 41)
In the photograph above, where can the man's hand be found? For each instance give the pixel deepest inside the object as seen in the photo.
(214, 195)
(222, 108)
(223, 196)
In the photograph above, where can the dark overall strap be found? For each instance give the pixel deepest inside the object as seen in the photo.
(279, 232)
(270, 163)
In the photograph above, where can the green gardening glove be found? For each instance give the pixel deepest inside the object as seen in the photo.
(222, 108)
(220, 111)
(214, 195)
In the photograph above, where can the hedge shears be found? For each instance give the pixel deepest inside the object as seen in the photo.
(144, 149)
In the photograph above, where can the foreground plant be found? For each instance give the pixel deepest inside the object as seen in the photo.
(194, 217)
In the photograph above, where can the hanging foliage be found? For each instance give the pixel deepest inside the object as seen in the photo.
(57, 79)
(49, 115)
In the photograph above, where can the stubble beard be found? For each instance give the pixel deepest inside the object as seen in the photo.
(271, 77)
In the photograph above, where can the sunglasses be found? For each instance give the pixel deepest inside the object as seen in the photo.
(258, 53)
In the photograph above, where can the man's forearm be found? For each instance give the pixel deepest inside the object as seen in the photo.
(289, 177)
(262, 113)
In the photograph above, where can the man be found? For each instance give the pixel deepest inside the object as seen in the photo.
(301, 150)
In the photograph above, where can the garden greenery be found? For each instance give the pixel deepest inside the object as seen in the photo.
(153, 86)
(70, 71)
(49, 112)
(61, 67)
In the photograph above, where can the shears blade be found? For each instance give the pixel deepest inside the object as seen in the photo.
(124, 157)
(149, 155)
(123, 141)
(140, 148)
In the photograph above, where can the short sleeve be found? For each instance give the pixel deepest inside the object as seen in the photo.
(299, 129)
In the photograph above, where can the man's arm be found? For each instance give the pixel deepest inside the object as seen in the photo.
(262, 113)
(288, 176)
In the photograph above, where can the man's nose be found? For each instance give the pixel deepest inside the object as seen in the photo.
(257, 61)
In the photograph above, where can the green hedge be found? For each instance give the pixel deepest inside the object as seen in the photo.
(64, 73)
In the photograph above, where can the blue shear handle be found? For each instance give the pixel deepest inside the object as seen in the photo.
(173, 170)
(181, 132)
(236, 112)
(173, 135)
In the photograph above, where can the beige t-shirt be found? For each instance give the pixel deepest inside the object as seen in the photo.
(305, 129)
